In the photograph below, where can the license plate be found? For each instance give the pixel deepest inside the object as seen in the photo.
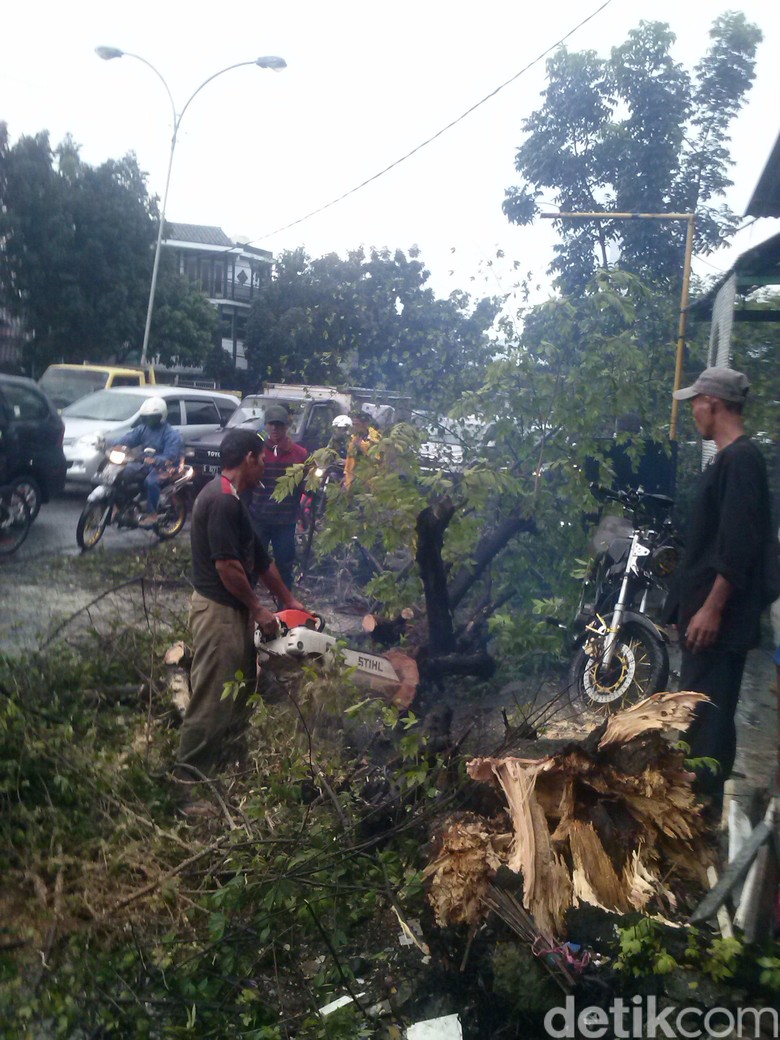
(211, 470)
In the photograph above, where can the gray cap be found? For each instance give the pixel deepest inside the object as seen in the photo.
(725, 383)
(277, 413)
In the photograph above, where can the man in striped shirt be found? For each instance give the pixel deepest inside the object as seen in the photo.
(274, 522)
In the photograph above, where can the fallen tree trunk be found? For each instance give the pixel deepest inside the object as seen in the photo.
(480, 664)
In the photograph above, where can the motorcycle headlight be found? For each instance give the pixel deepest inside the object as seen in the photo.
(664, 561)
(117, 456)
(318, 471)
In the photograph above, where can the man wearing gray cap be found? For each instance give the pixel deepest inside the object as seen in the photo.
(274, 522)
(226, 560)
(719, 596)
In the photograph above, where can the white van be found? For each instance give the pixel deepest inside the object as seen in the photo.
(107, 414)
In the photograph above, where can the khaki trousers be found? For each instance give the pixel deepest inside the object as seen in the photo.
(223, 644)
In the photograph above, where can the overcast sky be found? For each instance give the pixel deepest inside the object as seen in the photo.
(367, 81)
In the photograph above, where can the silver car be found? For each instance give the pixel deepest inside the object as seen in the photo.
(107, 414)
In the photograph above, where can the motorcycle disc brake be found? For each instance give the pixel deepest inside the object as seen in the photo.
(604, 685)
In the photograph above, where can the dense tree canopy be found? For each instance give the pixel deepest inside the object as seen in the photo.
(635, 132)
(184, 323)
(368, 320)
(76, 260)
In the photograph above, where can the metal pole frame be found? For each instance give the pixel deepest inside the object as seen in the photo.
(681, 328)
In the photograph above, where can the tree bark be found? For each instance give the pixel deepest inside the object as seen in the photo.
(431, 525)
(489, 547)
(436, 667)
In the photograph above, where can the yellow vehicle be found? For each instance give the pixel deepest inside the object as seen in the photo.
(64, 384)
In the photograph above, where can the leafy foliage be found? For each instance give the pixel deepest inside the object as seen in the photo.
(76, 261)
(367, 320)
(244, 925)
(184, 323)
(635, 133)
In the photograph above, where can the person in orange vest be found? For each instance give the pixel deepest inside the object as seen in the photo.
(364, 437)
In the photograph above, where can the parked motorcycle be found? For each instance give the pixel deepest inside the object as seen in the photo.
(119, 497)
(313, 503)
(621, 652)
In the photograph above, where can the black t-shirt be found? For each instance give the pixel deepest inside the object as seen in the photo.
(728, 531)
(221, 530)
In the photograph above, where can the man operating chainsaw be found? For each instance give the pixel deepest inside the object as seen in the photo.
(227, 557)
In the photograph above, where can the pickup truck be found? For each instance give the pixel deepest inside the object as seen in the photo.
(312, 411)
(64, 384)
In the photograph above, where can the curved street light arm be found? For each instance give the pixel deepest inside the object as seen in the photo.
(159, 75)
(107, 53)
(205, 83)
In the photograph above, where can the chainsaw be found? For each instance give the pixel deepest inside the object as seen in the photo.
(301, 637)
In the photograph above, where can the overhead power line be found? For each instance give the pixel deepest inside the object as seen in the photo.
(434, 137)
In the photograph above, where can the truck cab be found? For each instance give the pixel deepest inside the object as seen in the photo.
(64, 384)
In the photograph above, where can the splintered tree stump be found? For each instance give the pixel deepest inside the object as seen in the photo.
(431, 525)
(599, 821)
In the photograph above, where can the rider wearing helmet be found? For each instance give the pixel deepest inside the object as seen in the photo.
(152, 430)
(341, 431)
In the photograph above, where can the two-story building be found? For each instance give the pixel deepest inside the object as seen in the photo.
(230, 275)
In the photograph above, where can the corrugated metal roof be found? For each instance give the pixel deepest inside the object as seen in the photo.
(754, 268)
(202, 234)
(766, 198)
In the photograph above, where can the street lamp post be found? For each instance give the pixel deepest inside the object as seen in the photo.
(107, 54)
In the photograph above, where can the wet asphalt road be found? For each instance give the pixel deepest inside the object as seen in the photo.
(53, 532)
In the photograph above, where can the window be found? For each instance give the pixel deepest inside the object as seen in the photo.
(200, 413)
(320, 426)
(225, 409)
(205, 276)
(24, 403)
(126, 381)
(191, 268)
(63, 386)
(104, 404)
(219, 278)
(174, 410)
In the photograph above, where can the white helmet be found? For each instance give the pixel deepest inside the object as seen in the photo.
(342, 422)
(154, 406)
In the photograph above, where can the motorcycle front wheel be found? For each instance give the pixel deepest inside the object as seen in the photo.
(639, 668)
(173, 513)
(92, 523)
(15, 520)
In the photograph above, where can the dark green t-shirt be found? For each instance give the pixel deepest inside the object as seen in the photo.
(221, 530)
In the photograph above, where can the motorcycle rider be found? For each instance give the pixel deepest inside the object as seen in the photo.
(341, 431)
(153, 430)
(364, 437)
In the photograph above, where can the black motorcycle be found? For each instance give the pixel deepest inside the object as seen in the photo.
(119, 496)
(621, 652)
